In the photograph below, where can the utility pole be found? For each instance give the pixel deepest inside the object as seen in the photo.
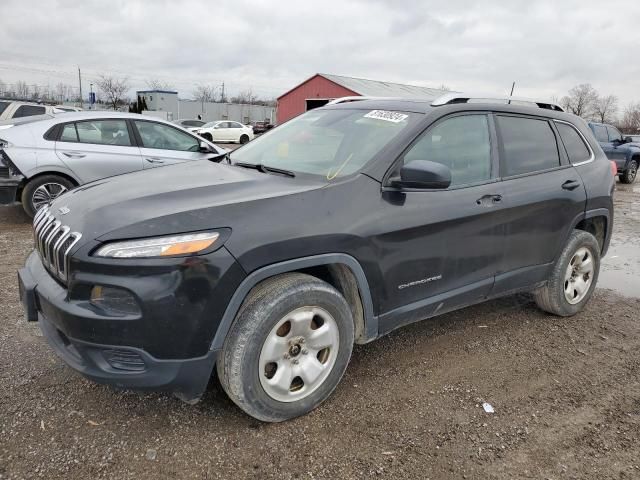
(80, 85)
(513, 86)
(222, 95)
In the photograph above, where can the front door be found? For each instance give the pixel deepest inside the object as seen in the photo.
(543, 195)
(162, 144)
(441, 248)
(95, 149)
(617, 147)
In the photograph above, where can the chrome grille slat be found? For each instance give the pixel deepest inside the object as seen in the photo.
(53, 241)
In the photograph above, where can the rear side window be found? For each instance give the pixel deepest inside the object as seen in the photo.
(460, 143)
(69, 133)
(529, 145)
(601, 133)
(577, 150)
(104, 132)
(28, 111)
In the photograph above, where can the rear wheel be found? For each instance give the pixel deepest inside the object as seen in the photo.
(630, 174)
(41, 191)
(573, 278)
(244, 139)
(288, 347)
(207, 136)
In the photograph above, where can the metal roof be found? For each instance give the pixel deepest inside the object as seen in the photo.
(374, 88)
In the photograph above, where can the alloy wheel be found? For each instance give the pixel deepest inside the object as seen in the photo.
(45, 194)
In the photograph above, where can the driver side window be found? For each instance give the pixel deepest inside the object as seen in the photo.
(460, 143)
(158, 135)
(614, 134)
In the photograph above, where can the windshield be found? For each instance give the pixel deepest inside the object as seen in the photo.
(331, 143)
(210, 124)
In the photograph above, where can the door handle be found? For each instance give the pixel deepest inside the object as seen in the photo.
(154, 160)
(488, 200)
(74, 155)
(570, 185)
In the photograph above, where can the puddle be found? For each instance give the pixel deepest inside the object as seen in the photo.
(620, 269)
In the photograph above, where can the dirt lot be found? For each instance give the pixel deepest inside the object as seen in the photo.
(566, 394)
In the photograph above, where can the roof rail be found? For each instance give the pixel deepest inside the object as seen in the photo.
(450, 98)
(358, 98)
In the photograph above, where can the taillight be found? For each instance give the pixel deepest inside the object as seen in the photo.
(614, 168)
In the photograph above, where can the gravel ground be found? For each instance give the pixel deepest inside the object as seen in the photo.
(566, 394)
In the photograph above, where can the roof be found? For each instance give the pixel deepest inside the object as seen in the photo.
(375, 88)
(156, 91)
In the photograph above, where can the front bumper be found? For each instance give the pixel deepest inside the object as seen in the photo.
(121, 352)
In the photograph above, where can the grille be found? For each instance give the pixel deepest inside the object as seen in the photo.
(53, 242)
(4, 172)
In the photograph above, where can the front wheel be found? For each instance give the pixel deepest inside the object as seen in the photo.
(287, 348)
(629, 175)
(41, 191)
(573, 278)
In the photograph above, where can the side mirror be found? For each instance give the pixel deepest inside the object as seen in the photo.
(424, 174)
(206, 148)
(628, 140)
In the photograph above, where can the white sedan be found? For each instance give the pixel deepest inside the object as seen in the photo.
(223, 131)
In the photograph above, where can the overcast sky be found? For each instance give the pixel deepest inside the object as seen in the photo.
(546, 46)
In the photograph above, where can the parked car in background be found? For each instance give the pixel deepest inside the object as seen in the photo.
(224, 131)
(67, 108)
(40, 160)
(10, 109)
(189, 124)
(261, 127)
(634, 138)
(340, 226)
(622, 150)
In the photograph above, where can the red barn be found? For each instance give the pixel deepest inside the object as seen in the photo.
(322, 88)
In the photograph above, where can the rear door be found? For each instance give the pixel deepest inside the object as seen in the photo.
(95, 149)
(543, 195)
(162, 144)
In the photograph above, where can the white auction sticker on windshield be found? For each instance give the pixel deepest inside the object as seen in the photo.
(394, 117)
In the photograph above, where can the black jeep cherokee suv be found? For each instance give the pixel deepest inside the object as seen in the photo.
(337, 227)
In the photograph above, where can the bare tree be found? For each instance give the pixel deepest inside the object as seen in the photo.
(113, 89)
(3, 88)
(35, 92)
(22, 89)
(204, 93)
(155, 84)
(581, 100)
(605, 109)
(631, 118)
(62, 92)
(245, 96)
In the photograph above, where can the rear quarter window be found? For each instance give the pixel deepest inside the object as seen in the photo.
(528, 145)
(3, 106)
(28, 110)
(577, 150)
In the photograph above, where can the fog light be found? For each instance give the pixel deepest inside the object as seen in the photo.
(114, 300)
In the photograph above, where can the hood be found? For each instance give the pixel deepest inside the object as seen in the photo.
(172, 199)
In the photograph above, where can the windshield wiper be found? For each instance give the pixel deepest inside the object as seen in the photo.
(266, 169)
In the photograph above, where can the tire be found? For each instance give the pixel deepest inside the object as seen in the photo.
(630, 174)
(43, 189)
(244, 139)
(244, 369)
(554, 297)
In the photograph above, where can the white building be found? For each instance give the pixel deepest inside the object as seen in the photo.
(167, 105)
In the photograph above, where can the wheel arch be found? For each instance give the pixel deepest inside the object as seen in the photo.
(42, 173)
(340, 270)
(598, 223)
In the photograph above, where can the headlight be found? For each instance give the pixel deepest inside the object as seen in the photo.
(159, 246)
